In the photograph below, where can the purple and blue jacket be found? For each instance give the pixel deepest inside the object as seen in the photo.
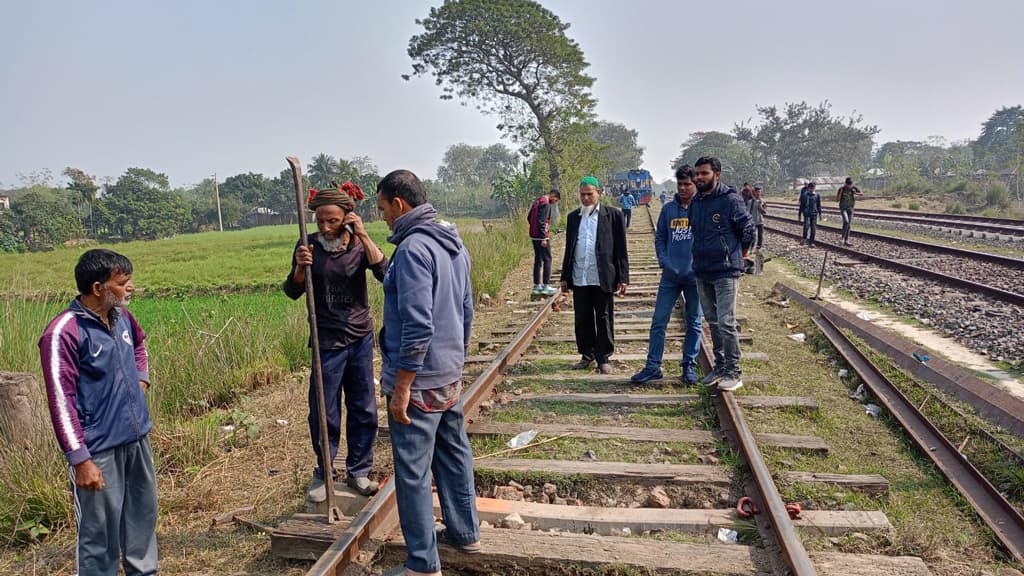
(92, 376)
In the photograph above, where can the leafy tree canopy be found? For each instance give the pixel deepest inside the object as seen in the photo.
(513, 58)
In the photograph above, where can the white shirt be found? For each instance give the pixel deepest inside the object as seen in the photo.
(584, 269)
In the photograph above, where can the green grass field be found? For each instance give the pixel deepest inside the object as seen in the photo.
(218, 327)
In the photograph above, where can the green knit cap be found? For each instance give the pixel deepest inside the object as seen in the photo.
(591, 181)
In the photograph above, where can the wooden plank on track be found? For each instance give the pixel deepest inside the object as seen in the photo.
(869, 483)
(487, 358)
(535, 551)
(660, 399)
(614, 379)
(600, 520)
(838, 564)
(702, 437)
(675, 474)
(619, 337)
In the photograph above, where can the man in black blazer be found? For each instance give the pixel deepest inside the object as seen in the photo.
(595, 265)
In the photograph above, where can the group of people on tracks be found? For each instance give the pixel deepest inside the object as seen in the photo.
(96, 367)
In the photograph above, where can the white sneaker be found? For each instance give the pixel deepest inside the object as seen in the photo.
(730, 382)
(317, 491)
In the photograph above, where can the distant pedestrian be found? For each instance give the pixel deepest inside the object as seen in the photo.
(810, 207)
(847, 197)
(663, 197)
(720, 224)
(757, 211)
(673, 243)
(594, 267)
(96, 370)
(800, 202)
(428, 315)
(339, 254)
(540, 235)
(628, 202)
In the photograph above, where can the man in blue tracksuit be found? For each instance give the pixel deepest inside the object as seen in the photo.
(96, 370)
(628, 202)
(722, 232)
(428, 314)
(673, 243)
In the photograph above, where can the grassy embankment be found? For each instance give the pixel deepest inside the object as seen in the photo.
(218, 329)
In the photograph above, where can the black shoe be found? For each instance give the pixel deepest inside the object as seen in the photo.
(583, 364)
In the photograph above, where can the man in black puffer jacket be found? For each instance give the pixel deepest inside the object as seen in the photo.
(722, 233)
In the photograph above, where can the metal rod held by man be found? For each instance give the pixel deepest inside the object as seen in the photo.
(333, 513)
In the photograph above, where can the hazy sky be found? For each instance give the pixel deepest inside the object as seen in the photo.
(193, 87)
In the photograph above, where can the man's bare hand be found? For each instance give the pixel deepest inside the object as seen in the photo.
(88, 476)
(622, 289)
(398, 406)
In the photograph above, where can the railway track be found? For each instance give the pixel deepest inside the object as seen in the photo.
(1002, 228)
(578, 529)
(998, 277)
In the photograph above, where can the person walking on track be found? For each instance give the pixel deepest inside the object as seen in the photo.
(594, 267)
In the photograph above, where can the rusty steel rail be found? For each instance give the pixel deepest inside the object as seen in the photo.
(991, 403)
(1002, 226)
(786, 536)
(943, 278)
(1008, 261)
(380, 515)
(997, 513)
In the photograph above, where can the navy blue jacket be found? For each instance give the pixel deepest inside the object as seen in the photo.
(673, 242)
(92, 376)
(428, 302)
(722, 231)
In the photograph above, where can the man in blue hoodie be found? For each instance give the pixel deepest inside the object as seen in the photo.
(428, 314)
(673, 243)
(722, 232)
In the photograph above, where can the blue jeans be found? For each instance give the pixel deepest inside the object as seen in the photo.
(668, 293)
(434, 441)
(810, 227)
(718, 299)
(348, 370)
(847, 214)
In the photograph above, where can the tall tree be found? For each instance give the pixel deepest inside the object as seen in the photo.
(513, 59)
(998, 134)
(140, 205)
(619, 145)
(738, 163)
(44, 217)
(322, 170)
(803, 140)
(459, 166)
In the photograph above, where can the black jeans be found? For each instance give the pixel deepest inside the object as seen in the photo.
(760, 236)
(541, 259)
(594, 312)
(628, 216)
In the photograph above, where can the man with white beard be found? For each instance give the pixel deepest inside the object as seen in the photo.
(339, 255)
(594, 267)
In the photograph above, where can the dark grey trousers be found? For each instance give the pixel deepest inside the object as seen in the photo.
(118, 523)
